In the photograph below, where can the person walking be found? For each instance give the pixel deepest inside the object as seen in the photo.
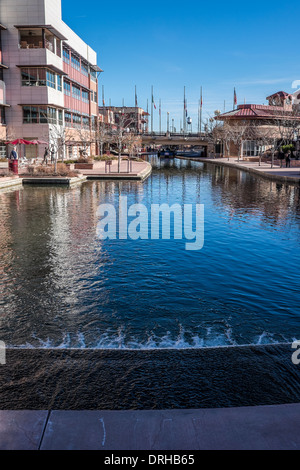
(52, 154)
(46, 153)
(287, 160)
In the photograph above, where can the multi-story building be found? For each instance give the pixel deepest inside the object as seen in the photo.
(133, 118)
(51, 78)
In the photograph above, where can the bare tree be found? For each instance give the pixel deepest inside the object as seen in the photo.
(121, 136)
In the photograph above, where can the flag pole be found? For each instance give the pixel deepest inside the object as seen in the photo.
(151, 109)
(201, 112)
(184, 106)
(160, 116)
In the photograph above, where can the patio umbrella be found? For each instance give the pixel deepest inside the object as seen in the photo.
(19, 141)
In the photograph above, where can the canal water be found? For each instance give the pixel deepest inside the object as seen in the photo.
(61, 286)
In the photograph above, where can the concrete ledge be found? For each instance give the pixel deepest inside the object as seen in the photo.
(10, 182)
(138, 176)
(267, 173)
(245, 428)
(54, 180)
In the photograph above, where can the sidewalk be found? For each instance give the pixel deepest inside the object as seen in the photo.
(246, 428)
(286, 175)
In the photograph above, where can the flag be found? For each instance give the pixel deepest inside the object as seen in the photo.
(153, 102)
(234, 98)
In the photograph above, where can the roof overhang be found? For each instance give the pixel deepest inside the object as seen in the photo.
(49, 27)
(2, 66)
(96, 68)
(51, 105)
(45, 66)
(5, 105)
(2, 28)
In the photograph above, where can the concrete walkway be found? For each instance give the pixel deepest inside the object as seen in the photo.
(261, 427)
(128, 170)
(283, 175)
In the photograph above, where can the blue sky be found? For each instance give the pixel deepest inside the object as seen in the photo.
(252, 46)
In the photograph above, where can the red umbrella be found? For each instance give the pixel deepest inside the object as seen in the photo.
(19, 141)
(37, 142)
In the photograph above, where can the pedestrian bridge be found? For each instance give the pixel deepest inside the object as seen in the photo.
(174, 139)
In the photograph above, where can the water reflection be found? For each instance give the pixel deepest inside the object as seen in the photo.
(61, 286)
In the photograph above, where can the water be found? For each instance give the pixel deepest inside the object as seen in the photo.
(62, 287)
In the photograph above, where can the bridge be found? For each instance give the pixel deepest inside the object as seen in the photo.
(171, 139)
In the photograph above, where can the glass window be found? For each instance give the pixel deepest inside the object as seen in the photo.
(2, 115)
(85, 96)
(58, 47)
(2, 151)
(60, 117)
(94, 75)
(76, 92)
(86, 122)
(67, 88)
(66, 55)
(84, 69)
(68, 119)
(75, 61)
(50, 79)
(51, 112)
(33, 76)
(59, 82)
(43, 115)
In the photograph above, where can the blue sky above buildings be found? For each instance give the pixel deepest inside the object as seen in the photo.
(252, 46)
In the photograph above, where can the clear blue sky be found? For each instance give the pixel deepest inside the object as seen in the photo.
(219, 45)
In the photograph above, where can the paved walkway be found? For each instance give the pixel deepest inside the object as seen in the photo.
(261, 427)
(276, 173)
(128, 170)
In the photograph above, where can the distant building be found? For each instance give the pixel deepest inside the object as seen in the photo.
(49, 77)
(133, 118)
(281, 112)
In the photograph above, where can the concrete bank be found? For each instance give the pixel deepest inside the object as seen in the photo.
(139, 171)
(277, 174)
(246, 428)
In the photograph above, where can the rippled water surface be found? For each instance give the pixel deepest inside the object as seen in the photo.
(61, 286)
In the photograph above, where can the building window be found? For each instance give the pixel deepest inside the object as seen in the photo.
(59, 82)
(39, 115)
(76, 92)
(67, 88)
(251, 148)
(2, 151)
(94, 75)
(58, 47)
(86, 122)
(68, 119)
(60, 117)
(66, 55)
(50, 79)
(33, 76)
(85, 96)
(84, 69)
(75, 61)
(95, 98)
(51, 115)
(2, 115)
(76, 120)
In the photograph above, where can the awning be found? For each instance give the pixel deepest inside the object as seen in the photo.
(96, 68)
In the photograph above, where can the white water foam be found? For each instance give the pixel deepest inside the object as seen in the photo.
(120, 340)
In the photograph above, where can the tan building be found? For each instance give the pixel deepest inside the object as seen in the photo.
(253, 128)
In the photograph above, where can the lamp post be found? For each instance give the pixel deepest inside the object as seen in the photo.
(168, 118)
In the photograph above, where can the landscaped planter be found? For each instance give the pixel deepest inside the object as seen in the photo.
(84, 166)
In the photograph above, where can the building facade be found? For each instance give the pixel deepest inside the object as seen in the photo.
(251, 129)
(133, 118)
(51, 79)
